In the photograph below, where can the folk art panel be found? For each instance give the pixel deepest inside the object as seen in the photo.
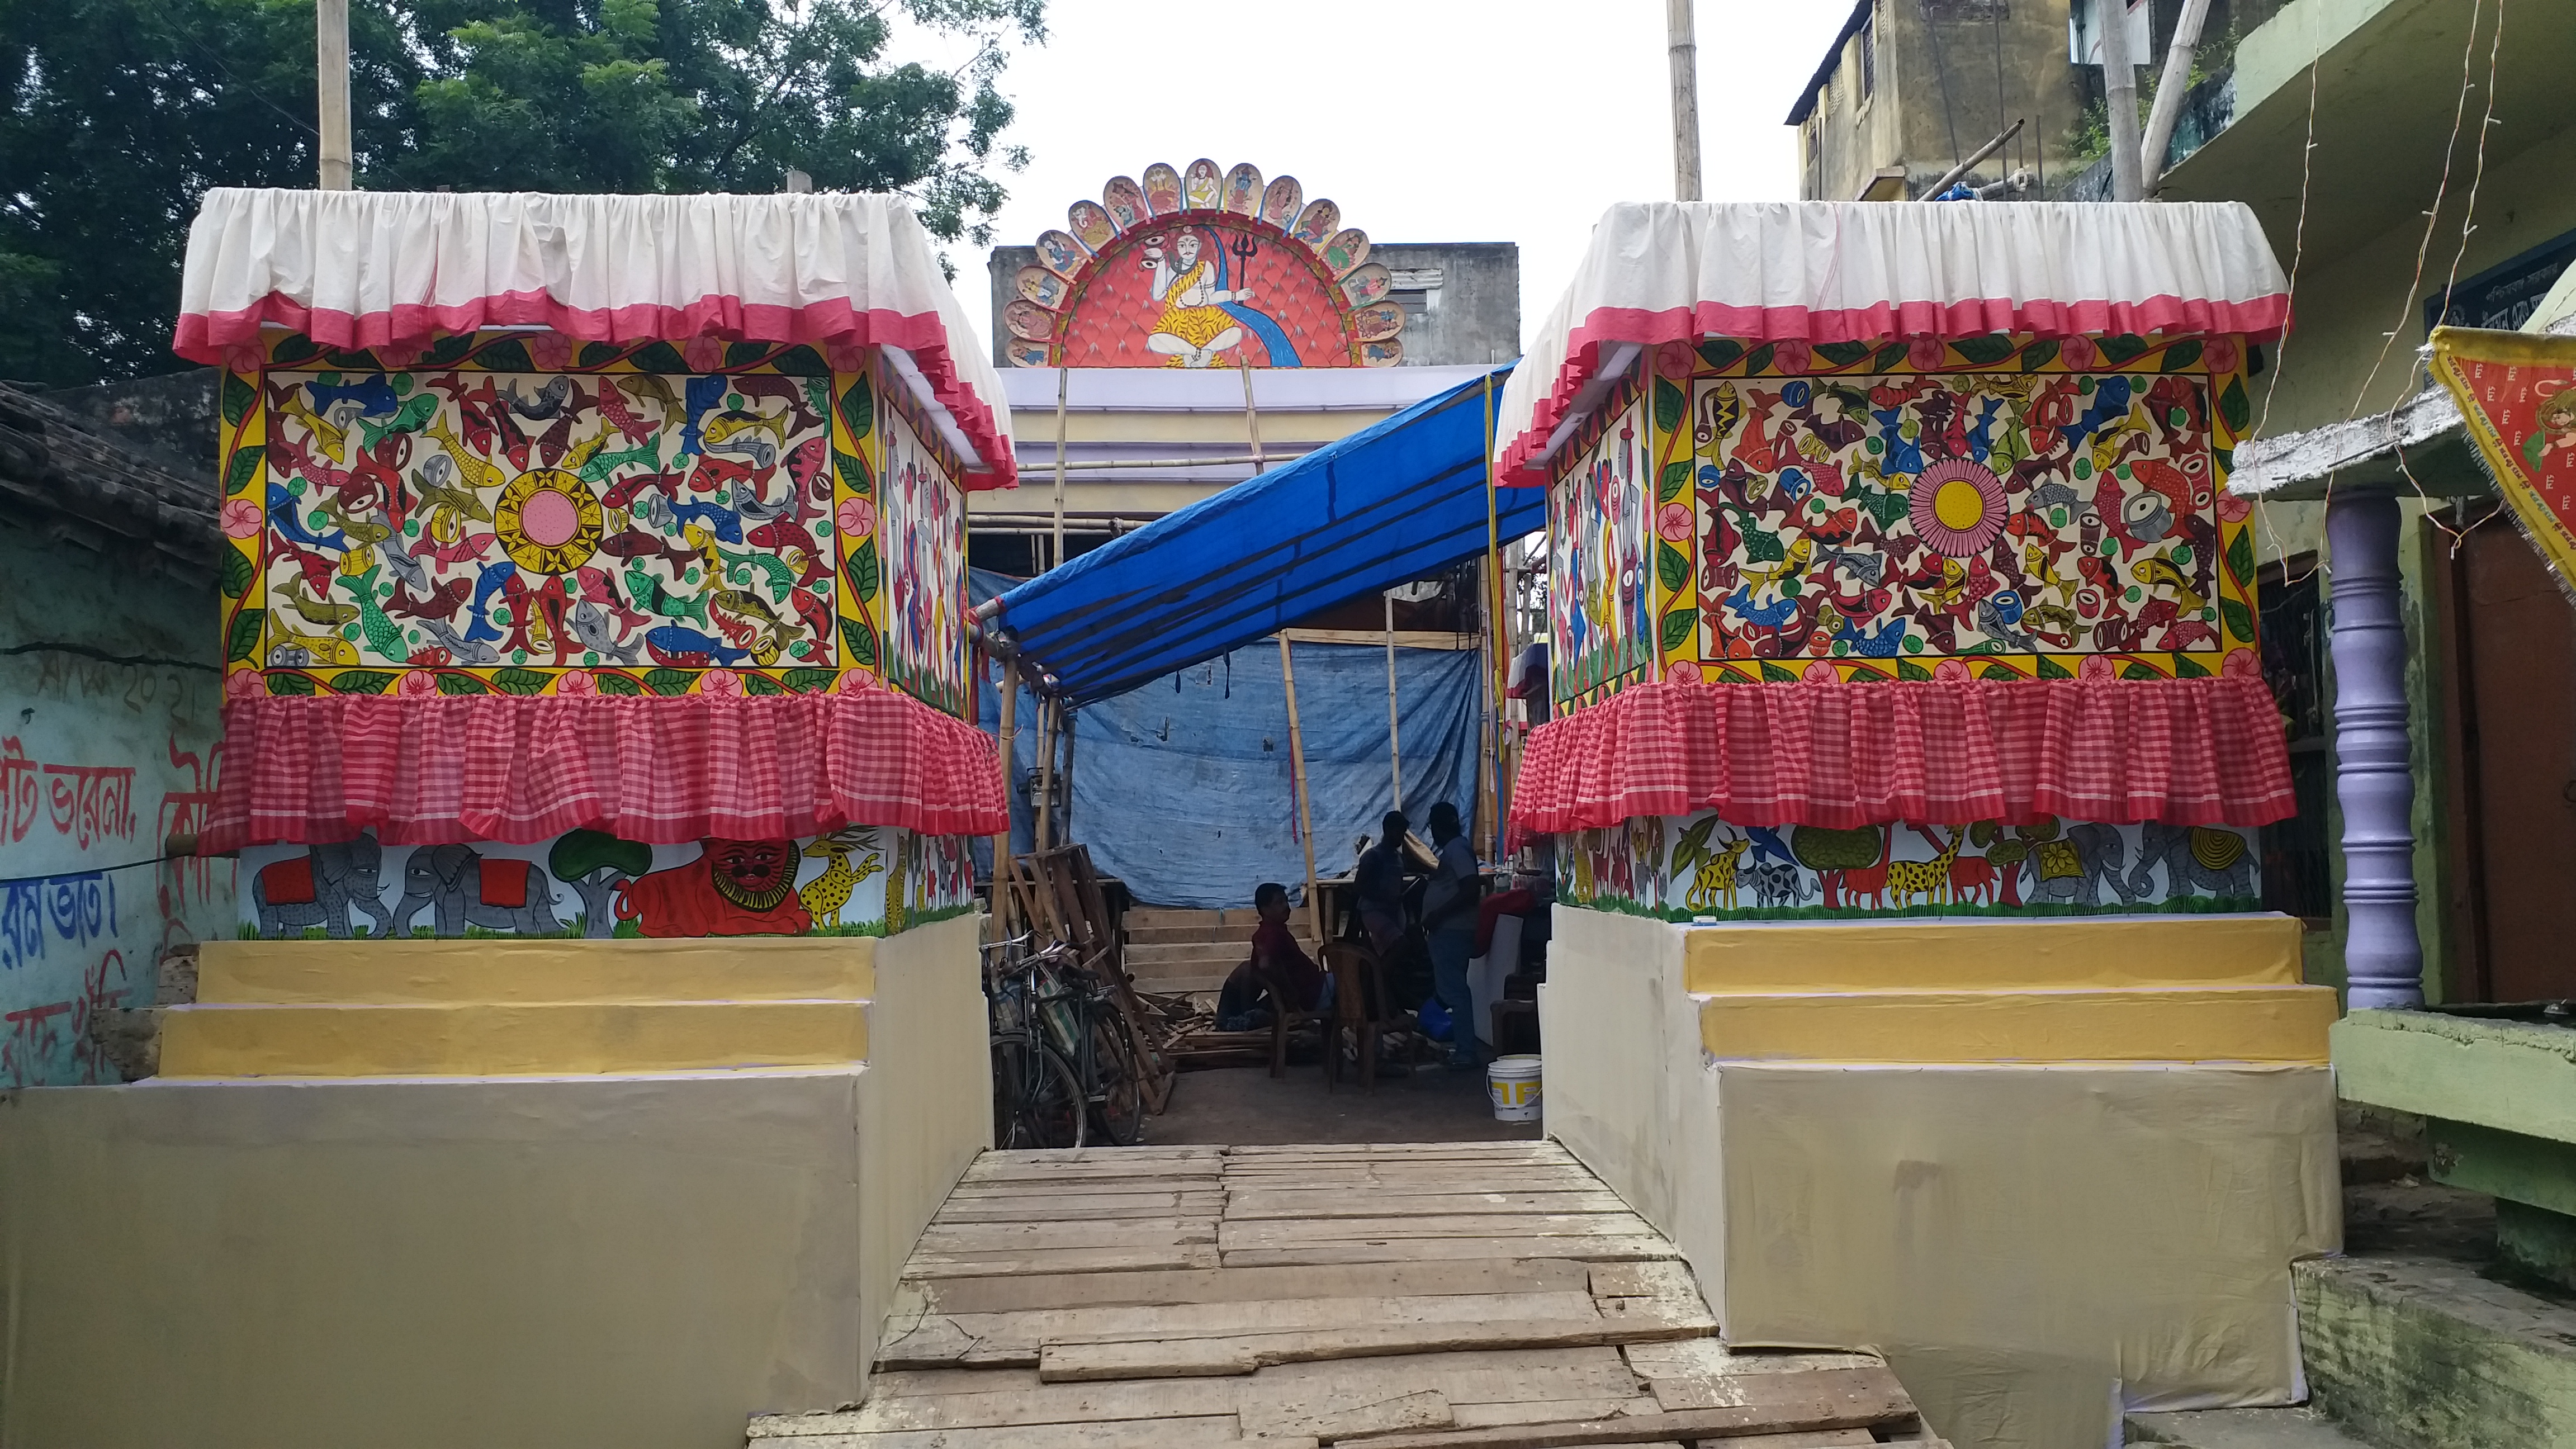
(2031, 508)
(1601, 603)
(516, 513)
(1683, 868)
(862, 881)
(921, 528)
(1202, 268)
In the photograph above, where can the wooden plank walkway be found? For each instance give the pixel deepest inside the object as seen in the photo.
(1425, 1296)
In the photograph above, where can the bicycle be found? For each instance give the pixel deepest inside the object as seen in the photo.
(1062, 1057)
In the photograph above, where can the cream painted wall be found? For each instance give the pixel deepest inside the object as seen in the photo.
(2024, 1242)
(601, 1263)
(633, 1262)
(925, 1103)
(1626, 1088)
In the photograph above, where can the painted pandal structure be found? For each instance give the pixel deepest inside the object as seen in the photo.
(1909, 750)
(605, 1019)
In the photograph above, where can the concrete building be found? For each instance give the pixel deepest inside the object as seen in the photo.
(2434, 716)
(1911, 88)
(110, 740)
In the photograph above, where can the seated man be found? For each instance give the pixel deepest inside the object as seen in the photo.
(1277, 959)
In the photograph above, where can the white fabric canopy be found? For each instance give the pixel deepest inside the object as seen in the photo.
(371, 269)
(1818, 271)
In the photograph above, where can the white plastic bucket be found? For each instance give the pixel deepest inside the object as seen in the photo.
(1513, 1083)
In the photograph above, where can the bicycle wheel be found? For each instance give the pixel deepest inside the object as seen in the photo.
(1037, 1100)
(1120, 1103)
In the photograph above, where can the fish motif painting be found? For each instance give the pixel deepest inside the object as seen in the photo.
(922, 536)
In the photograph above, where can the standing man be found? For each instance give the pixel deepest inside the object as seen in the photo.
(1378, 881)
(1449, 919)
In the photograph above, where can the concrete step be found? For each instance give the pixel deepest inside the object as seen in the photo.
(2240, 1429)
(2428, 1352)
(1139, 957)
(510, 1039)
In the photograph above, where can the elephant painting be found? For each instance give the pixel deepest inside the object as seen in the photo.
(463, 889)
(320, 889)
(2196, 858)
(2071, 871)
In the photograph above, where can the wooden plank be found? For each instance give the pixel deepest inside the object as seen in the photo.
(1385, 1250)
(1282, 1232)
(1469, 1379)
(1060, 1260)
(1247, 1285)
(1549, 1411)
(1146, 1152)
(1199, 1433)
(1108, 1233)
(1015, 1338)
(1802, 1402)
(1043, 1403)
(1706, 1374)
(1643, 1280)
(1258, 1204)
(1342, 1416)
(1245, 1353)
(1096, 1206)
(1813, 1439)
(1326, 1188)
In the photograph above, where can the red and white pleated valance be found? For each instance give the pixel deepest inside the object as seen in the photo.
(1819, 271)
(518, 769)
(377, 269)
(2183, 751)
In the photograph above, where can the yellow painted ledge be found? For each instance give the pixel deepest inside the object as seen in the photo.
(510, 1039)
(2194, 1024)
(491, 970)
(1992, 953)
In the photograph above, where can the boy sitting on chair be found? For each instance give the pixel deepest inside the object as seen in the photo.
(1278, 959)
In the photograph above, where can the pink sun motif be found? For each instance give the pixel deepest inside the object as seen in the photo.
(1958, 507)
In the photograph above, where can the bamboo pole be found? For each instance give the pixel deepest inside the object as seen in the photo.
(1010, 767)
(2120, 99)
(1394, 739)
(2174, 80)
(1305, 810)
(1038, 838)
(331, 74)
(1683, 53)
(1062, 377)
(1071, 723)
(1493, 611)
(1251, 414)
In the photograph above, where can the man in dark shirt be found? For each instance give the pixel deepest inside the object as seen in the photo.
(1277, 957)
(1379, 883)
(1449, 919)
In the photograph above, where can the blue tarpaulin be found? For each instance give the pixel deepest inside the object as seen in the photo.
(1397, 501)
(1181, 787)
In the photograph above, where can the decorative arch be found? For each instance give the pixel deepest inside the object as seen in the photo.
(1202, 268)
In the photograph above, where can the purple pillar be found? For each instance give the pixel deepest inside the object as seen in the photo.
(2383, 962)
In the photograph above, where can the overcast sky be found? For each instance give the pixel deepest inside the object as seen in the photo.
(1427, 120)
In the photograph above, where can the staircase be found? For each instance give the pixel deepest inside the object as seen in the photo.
(1173, 950)
(435, 1008)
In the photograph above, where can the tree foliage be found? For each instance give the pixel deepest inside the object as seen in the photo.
(116, 115)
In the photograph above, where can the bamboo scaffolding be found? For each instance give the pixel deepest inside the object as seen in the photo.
(1297, 770)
